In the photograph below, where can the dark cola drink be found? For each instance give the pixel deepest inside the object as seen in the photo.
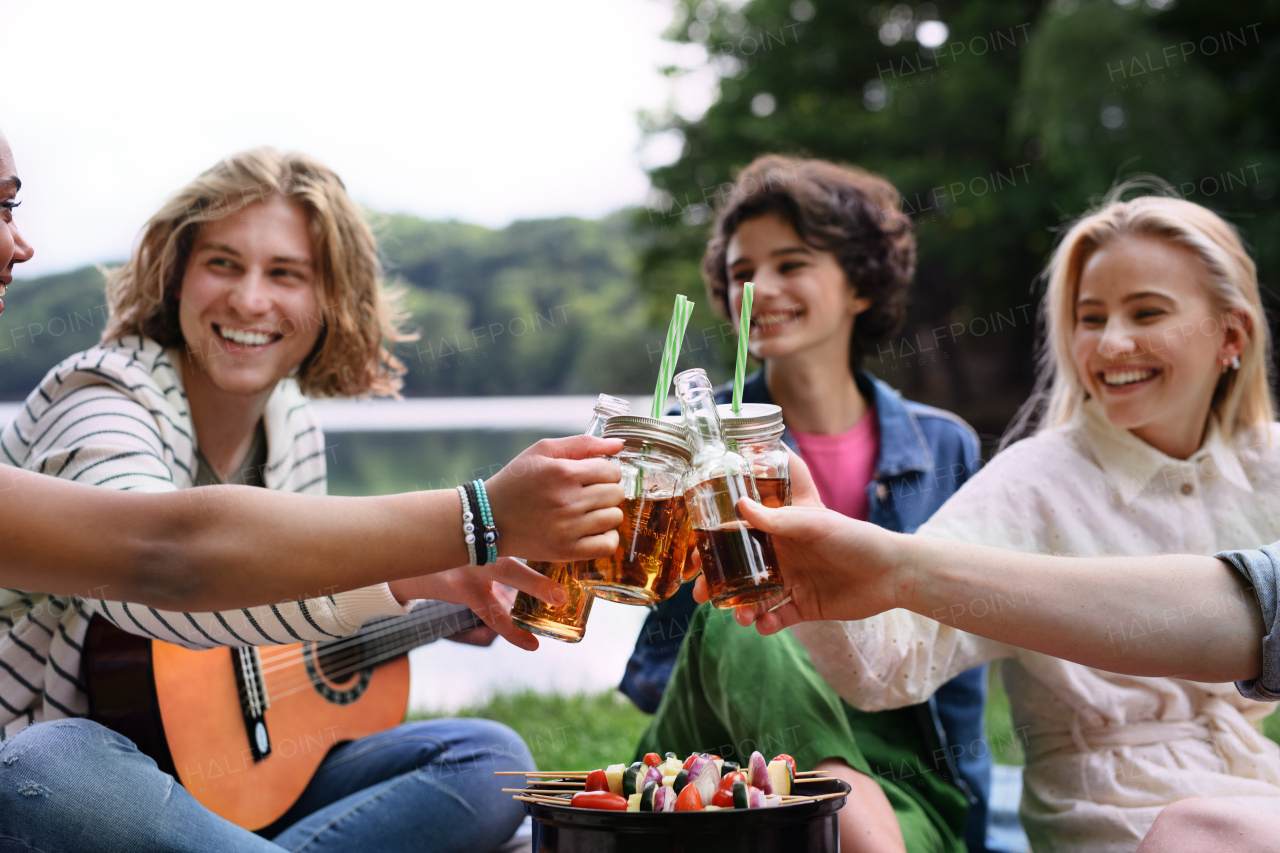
(738, 561)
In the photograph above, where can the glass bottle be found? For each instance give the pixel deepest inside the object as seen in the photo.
(737, 560)
(654, 538)
(567, 622)
(755, 432)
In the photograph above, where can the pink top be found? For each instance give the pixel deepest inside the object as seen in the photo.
(843, 465)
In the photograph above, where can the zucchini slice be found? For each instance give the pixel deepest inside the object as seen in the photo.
(646, 797)
(633, 777)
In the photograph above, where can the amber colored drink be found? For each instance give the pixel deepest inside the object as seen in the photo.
(775, 492)
(653, 544)
(739, 565)
(566, 623)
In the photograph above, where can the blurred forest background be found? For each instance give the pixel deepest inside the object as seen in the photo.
(998, 121)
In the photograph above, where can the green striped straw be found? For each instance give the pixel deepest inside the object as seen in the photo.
(744, 334)
(680, 315)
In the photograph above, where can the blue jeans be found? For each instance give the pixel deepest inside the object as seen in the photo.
(73, 785)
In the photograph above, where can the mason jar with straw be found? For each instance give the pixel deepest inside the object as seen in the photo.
(655, 535)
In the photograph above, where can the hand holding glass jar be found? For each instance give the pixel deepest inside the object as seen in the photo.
(737, 560)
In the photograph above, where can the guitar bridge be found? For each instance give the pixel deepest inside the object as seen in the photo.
(254, 702)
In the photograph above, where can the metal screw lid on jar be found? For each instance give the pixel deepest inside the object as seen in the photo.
(753, 422)
(668, 436)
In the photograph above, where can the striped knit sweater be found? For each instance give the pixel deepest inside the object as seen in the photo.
(116, 416)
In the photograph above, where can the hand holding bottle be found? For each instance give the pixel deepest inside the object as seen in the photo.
(833, 567)
(804, 492)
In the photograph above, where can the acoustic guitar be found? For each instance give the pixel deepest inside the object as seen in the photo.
(244, 729)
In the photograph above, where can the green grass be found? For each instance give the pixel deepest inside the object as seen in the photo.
(1006, 745)
(586, 731)
(577, 732)
(1271, 727)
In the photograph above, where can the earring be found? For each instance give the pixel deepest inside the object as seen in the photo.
(1235, 362)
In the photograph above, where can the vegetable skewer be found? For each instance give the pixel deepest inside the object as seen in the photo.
(698, 783)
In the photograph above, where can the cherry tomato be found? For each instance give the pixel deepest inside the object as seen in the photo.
(727, 780)
(598, 800)
(787, 758)
(652, 759)
(688, 761)
(689, 800)
(714, 757)
(597, 781)
(723, 798)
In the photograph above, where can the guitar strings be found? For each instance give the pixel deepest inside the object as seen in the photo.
(378, 640)
(285, 685)
(380, 632)
(382, 643)
(381, 628)
(280, 689)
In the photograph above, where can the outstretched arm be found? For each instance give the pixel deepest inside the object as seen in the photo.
(229, 546)
(1180, 616)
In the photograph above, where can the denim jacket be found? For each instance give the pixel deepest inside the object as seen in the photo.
(926, 454)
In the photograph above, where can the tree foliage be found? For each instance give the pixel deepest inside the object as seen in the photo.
(539, 307)
(1022, 117)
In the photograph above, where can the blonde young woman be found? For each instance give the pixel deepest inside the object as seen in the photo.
(255, 284)
(1156, 437)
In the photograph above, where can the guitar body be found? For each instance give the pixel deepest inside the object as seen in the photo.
(244, 730)
(209, 745)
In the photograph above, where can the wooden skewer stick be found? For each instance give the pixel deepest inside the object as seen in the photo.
(813, 773)
(791, 801)
(567, 773)
(533, 794)
(577, 786)
(813, 779)
(541, 801)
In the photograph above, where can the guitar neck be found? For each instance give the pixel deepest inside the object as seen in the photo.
(388, 637)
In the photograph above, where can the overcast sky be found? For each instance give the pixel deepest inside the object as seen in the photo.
(485, 112)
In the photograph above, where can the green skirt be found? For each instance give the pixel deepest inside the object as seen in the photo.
(733, 691)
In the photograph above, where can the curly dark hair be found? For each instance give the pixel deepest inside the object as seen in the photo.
(836, 208)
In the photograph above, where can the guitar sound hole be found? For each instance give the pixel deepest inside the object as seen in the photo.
(335, 670)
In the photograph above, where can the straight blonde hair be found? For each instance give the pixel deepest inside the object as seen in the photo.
(359, 317)
(1242, 399)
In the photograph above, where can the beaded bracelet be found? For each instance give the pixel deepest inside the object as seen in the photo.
(473, 500)
(486, 518)
(468, 525)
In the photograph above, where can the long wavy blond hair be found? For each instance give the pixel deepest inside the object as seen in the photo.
(1242, 399)
(360, 317)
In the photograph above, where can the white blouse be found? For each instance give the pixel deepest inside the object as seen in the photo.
(1105, 752)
